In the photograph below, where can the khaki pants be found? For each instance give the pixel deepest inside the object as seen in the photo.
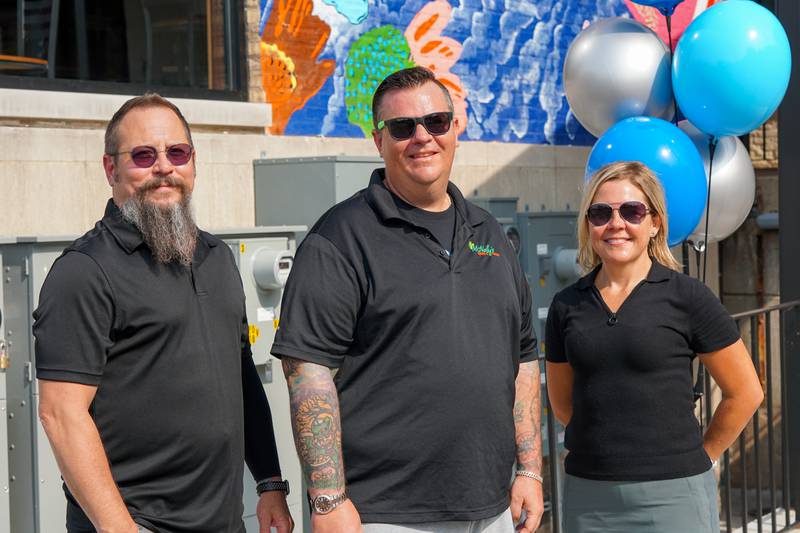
(501, 523)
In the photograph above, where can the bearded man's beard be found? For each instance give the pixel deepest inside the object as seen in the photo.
(169, 231)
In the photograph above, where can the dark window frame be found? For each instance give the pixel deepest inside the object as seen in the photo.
(235, 48)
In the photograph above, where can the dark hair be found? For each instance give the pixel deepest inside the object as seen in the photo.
(148, 99)
(408, 78)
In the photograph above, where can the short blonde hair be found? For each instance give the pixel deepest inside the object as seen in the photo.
(647, 182)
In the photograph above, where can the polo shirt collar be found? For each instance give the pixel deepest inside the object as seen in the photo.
(657, 273)
(130, 238)
(380, 199)
(125, 233)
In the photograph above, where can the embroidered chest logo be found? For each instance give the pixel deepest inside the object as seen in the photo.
(482, 249)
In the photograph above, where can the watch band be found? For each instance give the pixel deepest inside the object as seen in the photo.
(325, 503)
(532, 475)
(269, 485)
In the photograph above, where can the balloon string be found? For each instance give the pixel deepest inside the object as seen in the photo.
(712, 147)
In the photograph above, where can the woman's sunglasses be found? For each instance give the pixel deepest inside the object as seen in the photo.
(146, 156)
(402, 128)
(633, 212)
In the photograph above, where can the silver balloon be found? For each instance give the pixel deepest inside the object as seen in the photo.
(733, 185)
(615, 69)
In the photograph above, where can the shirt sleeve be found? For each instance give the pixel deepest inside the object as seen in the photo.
(73, 322)
(260, 449)
(320, 306)
(712, 327)
(553, 336)
(527, 336)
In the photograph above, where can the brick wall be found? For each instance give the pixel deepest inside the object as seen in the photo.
(764, 145)
(255, 88)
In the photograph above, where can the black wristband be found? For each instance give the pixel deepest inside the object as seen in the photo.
(269, 485)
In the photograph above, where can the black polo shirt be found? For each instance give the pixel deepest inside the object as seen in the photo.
(427, 345)
(165, 347)
(632, 402)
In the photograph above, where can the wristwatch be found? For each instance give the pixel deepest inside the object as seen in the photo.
(268, 485)
(325, 503)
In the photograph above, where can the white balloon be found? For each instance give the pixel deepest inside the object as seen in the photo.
(733, 185)
(615, 69)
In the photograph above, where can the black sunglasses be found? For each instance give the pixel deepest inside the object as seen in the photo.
(146, 156)
(633, 212)
(402, 128)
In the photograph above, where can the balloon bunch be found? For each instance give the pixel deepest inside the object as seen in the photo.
(727, 76)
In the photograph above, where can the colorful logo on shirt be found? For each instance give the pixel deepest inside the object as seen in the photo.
(482, 249)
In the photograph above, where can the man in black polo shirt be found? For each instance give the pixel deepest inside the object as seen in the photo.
(416, 297)
(149, 394)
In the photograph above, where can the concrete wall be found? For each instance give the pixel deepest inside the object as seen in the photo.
(52, 181)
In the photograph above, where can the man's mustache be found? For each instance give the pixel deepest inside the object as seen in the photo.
(155, 183)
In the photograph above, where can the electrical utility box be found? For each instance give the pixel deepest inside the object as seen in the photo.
(299, 190)
(34, 496)
(548, 256)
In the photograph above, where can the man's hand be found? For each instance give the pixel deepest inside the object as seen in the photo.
(343, 519)
(526, 495)
(272, 511)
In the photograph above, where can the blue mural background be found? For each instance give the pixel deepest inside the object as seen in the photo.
(511, 64)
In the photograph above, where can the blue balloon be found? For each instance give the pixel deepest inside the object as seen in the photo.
(665, 6)
(668, 152)
(731, 68)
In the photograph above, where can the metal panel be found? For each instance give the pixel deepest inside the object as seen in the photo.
(5, 508)
(789, 233)
(547, 238)
(353, 175)
(21, 426)
(300, 190)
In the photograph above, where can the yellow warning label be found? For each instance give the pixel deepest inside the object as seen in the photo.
(541, 281)
(241, 247)
(275, 324)
(253, 333)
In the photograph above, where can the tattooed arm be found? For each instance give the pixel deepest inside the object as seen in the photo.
(318, 438)
(526, 493)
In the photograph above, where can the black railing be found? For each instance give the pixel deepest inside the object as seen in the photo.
(752, 499)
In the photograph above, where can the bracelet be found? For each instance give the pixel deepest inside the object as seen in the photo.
(528, 473)
(267, 485)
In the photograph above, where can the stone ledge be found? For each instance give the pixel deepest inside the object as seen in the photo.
(26, 104)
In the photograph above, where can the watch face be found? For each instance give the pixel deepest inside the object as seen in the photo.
(322, 503)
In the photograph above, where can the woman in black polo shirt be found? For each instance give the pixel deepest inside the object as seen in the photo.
(619, 345)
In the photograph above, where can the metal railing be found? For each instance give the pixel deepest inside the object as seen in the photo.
(752, 499)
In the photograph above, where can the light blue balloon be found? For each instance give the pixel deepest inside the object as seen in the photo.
(731, 68)
(668, 152)
(665, 6)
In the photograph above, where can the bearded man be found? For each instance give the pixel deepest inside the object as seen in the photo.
(149, 394)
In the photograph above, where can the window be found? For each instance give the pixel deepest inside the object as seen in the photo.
(187, 48)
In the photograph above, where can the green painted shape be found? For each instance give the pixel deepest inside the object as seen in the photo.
(375, 55)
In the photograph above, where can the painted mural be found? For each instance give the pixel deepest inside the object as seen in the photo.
(501, 60)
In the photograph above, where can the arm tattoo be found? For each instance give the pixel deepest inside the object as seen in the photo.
(316, 424)
(527, 417)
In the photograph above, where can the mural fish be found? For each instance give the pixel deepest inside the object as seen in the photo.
(292, 41)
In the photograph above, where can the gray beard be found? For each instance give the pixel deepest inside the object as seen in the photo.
(170, 232)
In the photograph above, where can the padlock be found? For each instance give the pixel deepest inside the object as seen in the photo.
(5, 360)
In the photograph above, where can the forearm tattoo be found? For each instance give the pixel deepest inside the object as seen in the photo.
(316, 424)
(527, 417)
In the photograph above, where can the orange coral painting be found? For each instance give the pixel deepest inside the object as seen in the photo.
(429, 48)
(292, 41)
